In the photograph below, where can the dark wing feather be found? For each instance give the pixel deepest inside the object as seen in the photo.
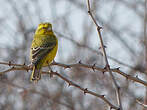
(40, 52)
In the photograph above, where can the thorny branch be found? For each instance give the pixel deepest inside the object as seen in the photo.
(117, 88)
(79, 64)
(85, 90)
(14, 67)
(97, 52)
(94, 67)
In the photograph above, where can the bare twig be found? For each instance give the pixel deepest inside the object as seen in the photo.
(94, 67)
(97, 52)
(117, 88)
(80, 64)
(85, 90)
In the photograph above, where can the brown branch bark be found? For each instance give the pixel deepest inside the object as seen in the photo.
(117, 88)
(80, 64)
(85, 90)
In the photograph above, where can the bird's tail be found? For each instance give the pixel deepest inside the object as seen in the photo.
(36, 75)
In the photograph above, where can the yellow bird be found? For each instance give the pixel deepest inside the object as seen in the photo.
(43, 50)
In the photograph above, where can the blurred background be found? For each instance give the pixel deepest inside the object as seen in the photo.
(124, 32)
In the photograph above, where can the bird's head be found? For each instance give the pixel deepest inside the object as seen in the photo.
(44, 28)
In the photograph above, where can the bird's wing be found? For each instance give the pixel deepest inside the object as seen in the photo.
(38, 53)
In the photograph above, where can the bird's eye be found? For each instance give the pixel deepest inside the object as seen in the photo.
(43, 27)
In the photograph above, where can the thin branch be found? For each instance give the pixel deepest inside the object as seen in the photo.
(85, 90)
(117, 88)
(79, 64)
(115, 31)
(94, 67)
(11, 64)
(95, 51)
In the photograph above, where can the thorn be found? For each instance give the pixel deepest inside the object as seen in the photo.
(99, 28)
(105, 67)
(88, 12)
(118, 68)
(85, 91)
(12, 67)
(137, 76)
(103, 95)
(67, 66)
(80, 62)
(108, 66)
(105, 46)
(93, 67)
(127, 77)
(69, 84)
(54, 73)
(9, 63)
